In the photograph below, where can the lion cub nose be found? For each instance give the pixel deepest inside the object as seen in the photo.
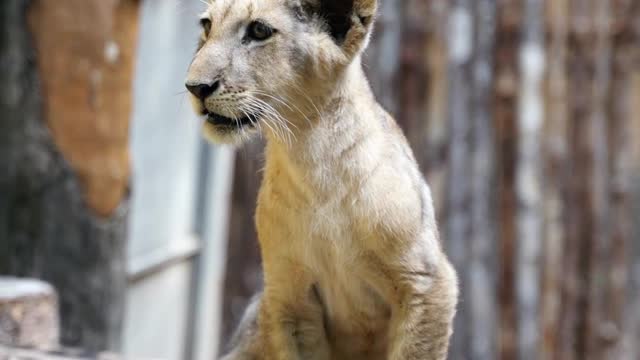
(202, 91)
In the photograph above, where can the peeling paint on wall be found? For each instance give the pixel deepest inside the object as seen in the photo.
(85, 57)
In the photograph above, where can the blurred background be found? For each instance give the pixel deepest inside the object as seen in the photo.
(524, 115)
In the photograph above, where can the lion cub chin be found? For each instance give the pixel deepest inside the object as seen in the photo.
(353, 266)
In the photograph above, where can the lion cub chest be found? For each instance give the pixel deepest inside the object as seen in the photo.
(356, 316)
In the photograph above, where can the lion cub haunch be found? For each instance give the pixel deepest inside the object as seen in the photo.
(353, 266)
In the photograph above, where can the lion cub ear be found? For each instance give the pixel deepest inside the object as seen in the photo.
(349, 22)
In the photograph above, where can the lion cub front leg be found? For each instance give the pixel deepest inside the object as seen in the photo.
(423, 315)
(291, 317)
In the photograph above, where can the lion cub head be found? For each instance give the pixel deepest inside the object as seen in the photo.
(266, 64)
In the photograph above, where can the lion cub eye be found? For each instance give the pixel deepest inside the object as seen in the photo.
(206, 26)
(259, 31)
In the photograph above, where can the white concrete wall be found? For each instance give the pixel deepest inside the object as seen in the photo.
(173, 300)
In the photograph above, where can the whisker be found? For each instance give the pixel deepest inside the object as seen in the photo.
(278, 120)
(255, 107)
(277, 117)
(253, 121)
(233, 117)
(283, 102)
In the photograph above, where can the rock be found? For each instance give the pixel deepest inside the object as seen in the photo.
(28, 314)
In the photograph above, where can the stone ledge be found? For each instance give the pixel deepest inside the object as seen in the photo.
(12, 353)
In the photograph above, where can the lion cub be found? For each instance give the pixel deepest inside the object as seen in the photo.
(353, 267)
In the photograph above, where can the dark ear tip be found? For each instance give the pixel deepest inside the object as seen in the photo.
(341, 15)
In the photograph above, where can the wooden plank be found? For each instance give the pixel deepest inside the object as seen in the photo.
(600, 332)
(632, 307)
(623, 291)
(434, 129)
(579, 215)
(555, 172)
(507, 79)
(481, 272)
(458, 193)
(529, 184)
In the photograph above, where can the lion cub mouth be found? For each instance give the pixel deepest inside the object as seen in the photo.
(220, 120)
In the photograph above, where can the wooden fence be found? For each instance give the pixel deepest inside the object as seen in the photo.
(525, 117)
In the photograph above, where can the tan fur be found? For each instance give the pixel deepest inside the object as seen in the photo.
(353, 266)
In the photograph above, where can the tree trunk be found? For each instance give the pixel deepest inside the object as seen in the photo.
(66, 102)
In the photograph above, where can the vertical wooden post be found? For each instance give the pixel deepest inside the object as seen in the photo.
(529, 188)
(458, 226)
(555, 172)
(632, 307)
(621, 293)
(507, 79)
(482, 266)
(599, 331)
